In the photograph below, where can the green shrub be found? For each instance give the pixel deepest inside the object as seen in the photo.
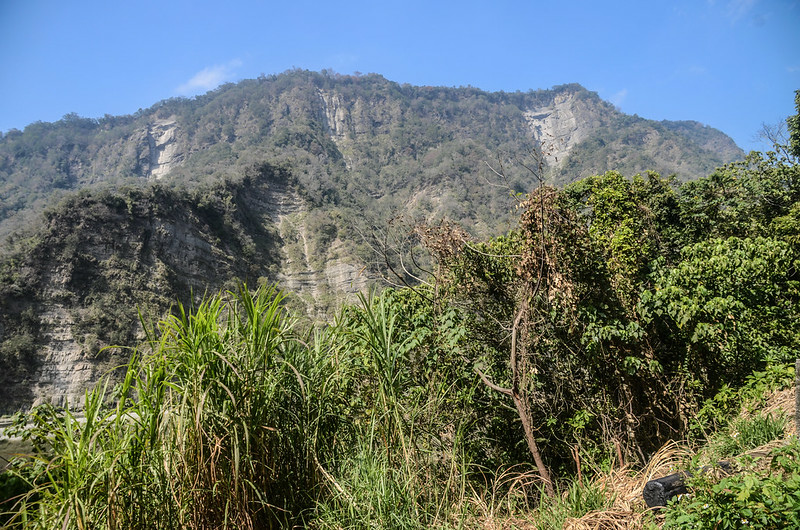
(748, 433)
(718, 411)
(762, 500)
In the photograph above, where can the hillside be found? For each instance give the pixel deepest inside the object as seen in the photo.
(360, 139)
(76, 285)
(292, 179)
(629, 329)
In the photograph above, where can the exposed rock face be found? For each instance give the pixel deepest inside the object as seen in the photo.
(335, 114)
(164, 150)
(315, 273)
(157, 148)
(66, 369)
(561, 125)
(101, 257)
(308, 269)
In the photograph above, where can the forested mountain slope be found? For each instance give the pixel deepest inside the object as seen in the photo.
(285, 179)
(365, 139)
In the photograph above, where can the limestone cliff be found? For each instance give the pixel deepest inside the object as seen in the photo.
(562, 123)
(75, 286)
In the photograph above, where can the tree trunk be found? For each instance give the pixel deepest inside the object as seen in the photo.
(524, 415)
(521, 404)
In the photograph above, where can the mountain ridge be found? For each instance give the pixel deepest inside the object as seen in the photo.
(322, 121)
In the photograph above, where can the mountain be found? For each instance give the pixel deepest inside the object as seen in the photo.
(286, 179)
(344, 135)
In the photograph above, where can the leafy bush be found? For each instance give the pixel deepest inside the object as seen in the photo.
(731, 301)
(768, 499)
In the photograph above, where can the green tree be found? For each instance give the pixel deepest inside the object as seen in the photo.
(734, 304)
(793, 122)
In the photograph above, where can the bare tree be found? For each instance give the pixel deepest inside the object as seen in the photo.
(538, 279)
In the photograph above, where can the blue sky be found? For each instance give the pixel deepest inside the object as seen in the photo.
(731, 64)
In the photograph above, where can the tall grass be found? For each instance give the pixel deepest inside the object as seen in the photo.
(575, 501)
(227, 418)
(746, 433)
(406, 468)
(219, 423)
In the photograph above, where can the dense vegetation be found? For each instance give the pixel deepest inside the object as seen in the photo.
(620, 314)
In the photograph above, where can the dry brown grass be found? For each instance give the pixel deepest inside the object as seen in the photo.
(493, 508)
(622, 484)
(783, 402)
(628, 510)
(608, 520)
(625, 487)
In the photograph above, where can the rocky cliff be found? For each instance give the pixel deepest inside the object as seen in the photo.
(78, 284)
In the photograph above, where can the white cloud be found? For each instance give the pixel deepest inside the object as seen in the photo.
(619, 98)
(738, 9)
(209, 78)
